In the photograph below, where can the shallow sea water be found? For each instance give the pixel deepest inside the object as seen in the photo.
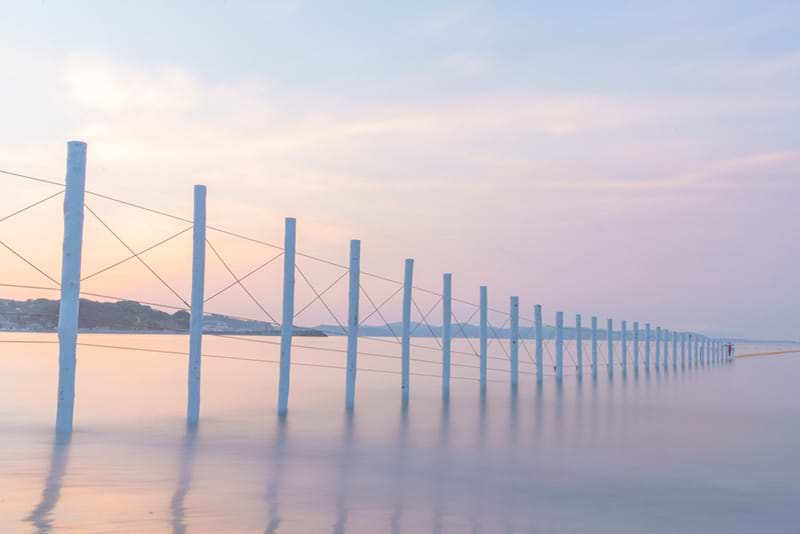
(706, 450)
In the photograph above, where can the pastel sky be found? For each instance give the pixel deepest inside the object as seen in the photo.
(633, 160)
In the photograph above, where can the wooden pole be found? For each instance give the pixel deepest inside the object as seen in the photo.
(352, 324)
(408, 280)
(484, 341)
(196, 316)
(70, 284)
(514, 342)
(537, 319)
(559, 346)
(683, 350)
(579, 343)
(624, 345)
(610, 347)
(287, 319)
(447, 314)
(594, 347)
(658, 347)
(674, 350)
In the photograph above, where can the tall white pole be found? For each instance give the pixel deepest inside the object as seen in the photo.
(636, 344)
(70, 284)
(287, 319)
(624, 345)
(514, 342)
(667, 337)
(559, 346)
(408, 284)
(537, 320)
(658, 347)
(689, 339)
(674, 350)
(696, 351)
(198, 296)
(447, 301)
(484, 341)
(610, 347)
(702, 351)
(647, 345)
(683, 350)
(352, 324)
(579, 343)
(594, 347)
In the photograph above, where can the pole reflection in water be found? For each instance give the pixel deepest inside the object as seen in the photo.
(41, 516)
(442, 471)
(538, 408)
(558, 420)
(279, 458)
(399, 474)
(479, 469)
(345, 465)
(513, 420)
(177, 505)
(578, 425)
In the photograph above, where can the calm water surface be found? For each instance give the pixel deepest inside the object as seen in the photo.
(706, 450)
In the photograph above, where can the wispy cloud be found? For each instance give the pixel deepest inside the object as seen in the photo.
(477, 164)
(99, 84)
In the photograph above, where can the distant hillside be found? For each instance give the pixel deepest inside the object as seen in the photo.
(465, 330)
(526, 332)
(41, 315)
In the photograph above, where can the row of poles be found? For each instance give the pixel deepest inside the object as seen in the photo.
(693, 348)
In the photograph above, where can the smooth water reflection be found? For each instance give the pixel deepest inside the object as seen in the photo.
(647, 450)
(186, 456)
(41, 516)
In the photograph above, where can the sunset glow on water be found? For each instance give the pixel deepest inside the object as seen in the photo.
(689, 451)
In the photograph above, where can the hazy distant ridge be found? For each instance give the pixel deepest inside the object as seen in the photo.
(41, 315)
(526, 332)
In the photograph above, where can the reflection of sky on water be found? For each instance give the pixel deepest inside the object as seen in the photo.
(695, 450)
(41, 516)
(184, 483)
